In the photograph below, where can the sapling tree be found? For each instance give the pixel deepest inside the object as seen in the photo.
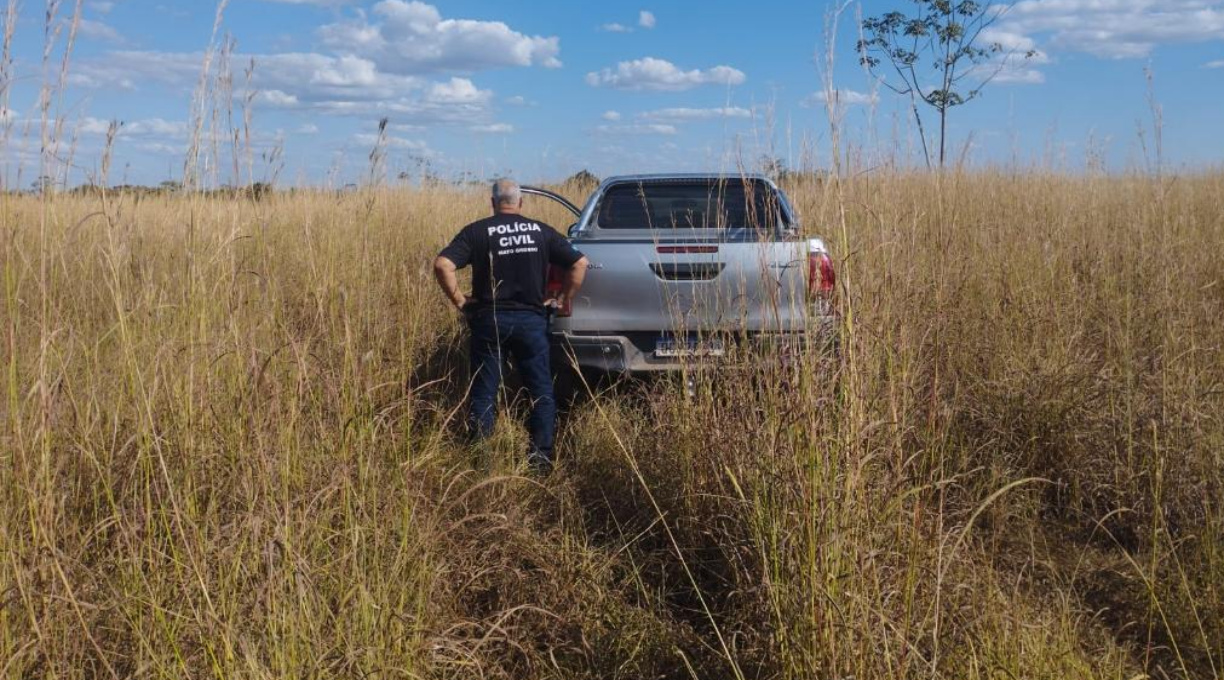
(938, 56)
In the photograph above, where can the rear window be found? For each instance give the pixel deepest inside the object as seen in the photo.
(700, 204)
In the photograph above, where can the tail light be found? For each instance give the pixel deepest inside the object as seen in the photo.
(553, 288)
(822, 280)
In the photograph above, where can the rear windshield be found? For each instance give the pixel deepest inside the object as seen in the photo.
(732, 204)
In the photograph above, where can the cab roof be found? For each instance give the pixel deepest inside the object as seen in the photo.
(684, 176)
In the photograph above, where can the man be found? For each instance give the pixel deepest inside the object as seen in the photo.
(510, 255)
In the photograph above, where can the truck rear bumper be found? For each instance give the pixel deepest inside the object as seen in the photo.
(602, 353)
(619, 354)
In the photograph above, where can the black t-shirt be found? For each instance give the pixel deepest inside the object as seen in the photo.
(509, 255)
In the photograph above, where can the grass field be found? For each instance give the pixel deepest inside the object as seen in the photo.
(230, 448)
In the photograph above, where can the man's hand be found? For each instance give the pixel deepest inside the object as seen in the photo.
(444, 272)
(573, 281)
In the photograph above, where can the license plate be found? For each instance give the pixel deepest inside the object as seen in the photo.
(681, 347)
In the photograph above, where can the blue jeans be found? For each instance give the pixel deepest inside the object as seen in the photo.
(525, 335)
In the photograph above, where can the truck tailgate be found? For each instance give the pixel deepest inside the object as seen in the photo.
(637, 285)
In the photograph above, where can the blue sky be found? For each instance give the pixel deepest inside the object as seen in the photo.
(540, 90)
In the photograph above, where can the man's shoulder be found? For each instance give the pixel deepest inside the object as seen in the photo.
(479, 224)
(479, 230)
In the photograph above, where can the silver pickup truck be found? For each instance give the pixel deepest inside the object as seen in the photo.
(688, 267)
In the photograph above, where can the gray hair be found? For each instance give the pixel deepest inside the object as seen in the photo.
(506, 192)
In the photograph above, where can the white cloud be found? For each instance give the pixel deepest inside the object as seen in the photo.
(408, 111)
(114, 81)
(346, 71)
(306, 76)
(366, 139)
(1018, 61)
(1019, 75)
(412, 37)
(458, 91)
(661, 75)
(307, 129)
(645, 20)
(493, 129)
(611, 115)
(99, 31)
(346, 85)
(161, 148)
(277, 99)
(7, 115)
(1114, 28)
(1218, 63)
(158, 128)
(93, 126)
(637, 129)
(847, 97)
(102, 6)
(1008, 40)
(517, 100)
(680, 114)
(319, 78)
(321, 3)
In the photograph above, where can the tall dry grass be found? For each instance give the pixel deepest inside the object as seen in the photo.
(230, 450)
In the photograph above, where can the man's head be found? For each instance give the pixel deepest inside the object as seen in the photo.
(507, 198)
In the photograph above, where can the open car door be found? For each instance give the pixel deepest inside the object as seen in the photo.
(555, 275)
(536, 191)
(560, 200)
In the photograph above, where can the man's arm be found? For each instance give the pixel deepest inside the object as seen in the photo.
(574, 277)
(444, 272)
